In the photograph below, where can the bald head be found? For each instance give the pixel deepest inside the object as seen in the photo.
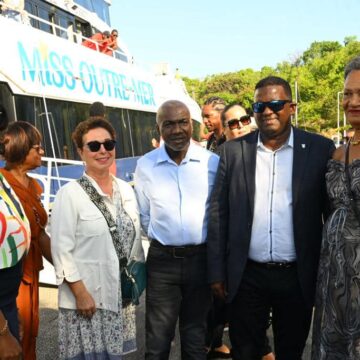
(174, 124)
(171, 105)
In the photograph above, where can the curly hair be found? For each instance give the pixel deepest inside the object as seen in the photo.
(85, 126)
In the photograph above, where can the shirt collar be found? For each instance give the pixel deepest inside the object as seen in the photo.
(192, 154)
(288, 143)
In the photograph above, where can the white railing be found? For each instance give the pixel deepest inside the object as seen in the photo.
(51, 179)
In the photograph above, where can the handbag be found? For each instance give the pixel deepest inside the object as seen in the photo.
(133, 274)
(133, 281)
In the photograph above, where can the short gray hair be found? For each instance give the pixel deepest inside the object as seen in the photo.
(354, 64)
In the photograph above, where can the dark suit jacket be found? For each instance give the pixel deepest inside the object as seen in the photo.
(232, 205)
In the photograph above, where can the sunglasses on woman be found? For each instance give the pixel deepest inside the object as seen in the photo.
(95, 146)
(234, 124)
(275, 105)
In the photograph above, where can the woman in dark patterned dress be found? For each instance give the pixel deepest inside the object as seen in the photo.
(336, 329)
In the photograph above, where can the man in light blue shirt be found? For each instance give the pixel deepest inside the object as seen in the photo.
(173, 184)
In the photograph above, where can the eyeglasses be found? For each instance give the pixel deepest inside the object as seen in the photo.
(115, 35)
(234, 124)
(95, 146)
(38, 148)
(275, 105)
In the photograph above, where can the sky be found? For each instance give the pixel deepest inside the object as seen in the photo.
(203, 38)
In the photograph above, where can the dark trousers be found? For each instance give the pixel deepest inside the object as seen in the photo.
(177, 289)
(216, 320)
(263, 290)
(11, 315)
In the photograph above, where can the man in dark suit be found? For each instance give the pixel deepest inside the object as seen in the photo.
(265, 224)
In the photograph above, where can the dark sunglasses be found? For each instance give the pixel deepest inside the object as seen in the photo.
(235, 123)
(275, 105)
(95, 146)
(115, 35)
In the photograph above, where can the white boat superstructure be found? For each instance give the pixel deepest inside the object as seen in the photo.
(48, 78)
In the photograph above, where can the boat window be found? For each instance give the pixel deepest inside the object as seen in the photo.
(100, 7)
(143, 130)
(119, 120)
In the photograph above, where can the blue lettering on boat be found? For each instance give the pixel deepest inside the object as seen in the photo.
(51, 68)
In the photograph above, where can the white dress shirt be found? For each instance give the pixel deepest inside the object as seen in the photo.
(272, 236)
(173, 199)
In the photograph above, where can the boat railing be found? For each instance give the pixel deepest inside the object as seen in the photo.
(53, 174)
(64, 33)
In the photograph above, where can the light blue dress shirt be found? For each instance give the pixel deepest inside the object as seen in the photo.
(174, 199)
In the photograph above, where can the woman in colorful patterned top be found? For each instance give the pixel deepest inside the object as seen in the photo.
(14, 243)
(22, 152)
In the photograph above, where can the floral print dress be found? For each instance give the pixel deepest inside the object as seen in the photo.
(108, 334)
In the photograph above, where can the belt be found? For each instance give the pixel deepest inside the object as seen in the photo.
(179, 252)
(272, 264)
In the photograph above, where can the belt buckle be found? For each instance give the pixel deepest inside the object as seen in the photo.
(174, 249)
(272, 265)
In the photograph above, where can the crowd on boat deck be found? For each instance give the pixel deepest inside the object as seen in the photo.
(261, 228)
(105, 42)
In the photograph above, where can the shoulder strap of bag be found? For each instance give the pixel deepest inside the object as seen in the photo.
(348, 182)
(97, 199)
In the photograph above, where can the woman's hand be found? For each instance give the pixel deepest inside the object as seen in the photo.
(10, 348)
(85, 303)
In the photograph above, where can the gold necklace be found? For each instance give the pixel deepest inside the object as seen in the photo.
(354, 142)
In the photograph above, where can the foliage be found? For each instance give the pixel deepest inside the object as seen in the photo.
(318, 73)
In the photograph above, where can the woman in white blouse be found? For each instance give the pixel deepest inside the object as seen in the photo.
(93, 321)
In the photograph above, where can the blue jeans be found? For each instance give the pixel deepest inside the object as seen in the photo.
(177, 289)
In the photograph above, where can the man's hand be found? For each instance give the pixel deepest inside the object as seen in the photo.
(10, 348)
(218, 289)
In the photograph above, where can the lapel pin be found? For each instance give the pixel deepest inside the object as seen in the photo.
(303, 146)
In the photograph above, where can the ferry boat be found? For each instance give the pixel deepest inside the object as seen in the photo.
(48, 78)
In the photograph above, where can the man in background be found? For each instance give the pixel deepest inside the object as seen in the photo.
(97, 110)
(112, 43)
(98, 41)
(211, 114)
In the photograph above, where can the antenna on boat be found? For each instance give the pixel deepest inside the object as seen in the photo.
(50, 132)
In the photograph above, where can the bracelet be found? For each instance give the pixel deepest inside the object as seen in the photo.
(4, 330)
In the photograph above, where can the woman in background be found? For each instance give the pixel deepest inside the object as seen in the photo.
(336, 328)
(93, 320)
(22, 151)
